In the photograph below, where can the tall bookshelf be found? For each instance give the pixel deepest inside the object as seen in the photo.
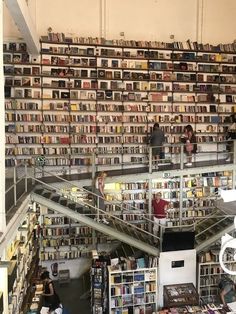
(210, 273)
(64, 239)
(23, 256)
(103, 97)
(99, 285)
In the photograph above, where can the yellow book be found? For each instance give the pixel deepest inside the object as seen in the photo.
(144, 65)
(218, 57)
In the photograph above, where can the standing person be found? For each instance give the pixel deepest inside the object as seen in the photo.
(231, 136)
(190, 140)
(157, 139)
(160, 207)
(50, 297)
(99, 185)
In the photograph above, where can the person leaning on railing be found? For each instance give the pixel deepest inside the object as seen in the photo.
(190, 147)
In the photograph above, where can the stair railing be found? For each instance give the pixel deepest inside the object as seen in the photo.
(14, 177)
(66, 190)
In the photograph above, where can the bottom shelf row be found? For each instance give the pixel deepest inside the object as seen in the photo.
(141, 309)
(136, 299)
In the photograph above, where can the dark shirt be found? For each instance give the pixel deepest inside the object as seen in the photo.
(157, 137)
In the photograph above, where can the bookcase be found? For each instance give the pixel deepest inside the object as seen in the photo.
(99, 285)
(87, 95)
(22, 254)
(65, 239)
(194, 201)
(210, 273)
(133, 291)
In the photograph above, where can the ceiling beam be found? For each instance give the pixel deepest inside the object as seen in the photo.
(21, 15)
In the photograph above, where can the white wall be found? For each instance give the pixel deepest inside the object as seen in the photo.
(138, 19)
(169, 275)
(77, 267)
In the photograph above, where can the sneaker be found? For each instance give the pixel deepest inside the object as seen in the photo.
(227, 159)
(105, 221)
(188, 164)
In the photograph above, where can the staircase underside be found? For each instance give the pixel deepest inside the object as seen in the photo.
(50, 200)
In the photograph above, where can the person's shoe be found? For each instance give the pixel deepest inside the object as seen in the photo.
(105, 221)
(228, 159)
(97, 219)
(188, 164)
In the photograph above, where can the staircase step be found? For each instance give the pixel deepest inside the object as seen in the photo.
(46, 194)
(63, 201)
(55, 197)
(72, 206)
(38, 191)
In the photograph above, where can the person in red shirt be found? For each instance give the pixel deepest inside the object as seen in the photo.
(160, 207)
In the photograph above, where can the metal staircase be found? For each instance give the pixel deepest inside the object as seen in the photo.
(53, 195)
(85, 212)
(210, 230)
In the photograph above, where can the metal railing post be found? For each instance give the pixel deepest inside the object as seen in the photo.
(181, 157)
(234, 151)
(150, 159)
(14, 182)
(34, 175)
(26, 177)
(93, 166)
(150, 226)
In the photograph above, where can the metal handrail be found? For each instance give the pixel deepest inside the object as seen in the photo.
(179, 153)
(16, 180)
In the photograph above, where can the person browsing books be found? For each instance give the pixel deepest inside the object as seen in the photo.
(160, 207)
(157, 138)
(50, 297)
(231, 137)
(227, 290)
(190, 147)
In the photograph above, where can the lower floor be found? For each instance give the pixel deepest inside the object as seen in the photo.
(75, 295)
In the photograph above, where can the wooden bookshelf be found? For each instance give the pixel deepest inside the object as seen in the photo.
(134, 290)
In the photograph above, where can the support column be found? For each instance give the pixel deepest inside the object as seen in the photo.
(2, 130)
(4, 284)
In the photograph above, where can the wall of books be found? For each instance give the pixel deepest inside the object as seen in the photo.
(84, 96)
